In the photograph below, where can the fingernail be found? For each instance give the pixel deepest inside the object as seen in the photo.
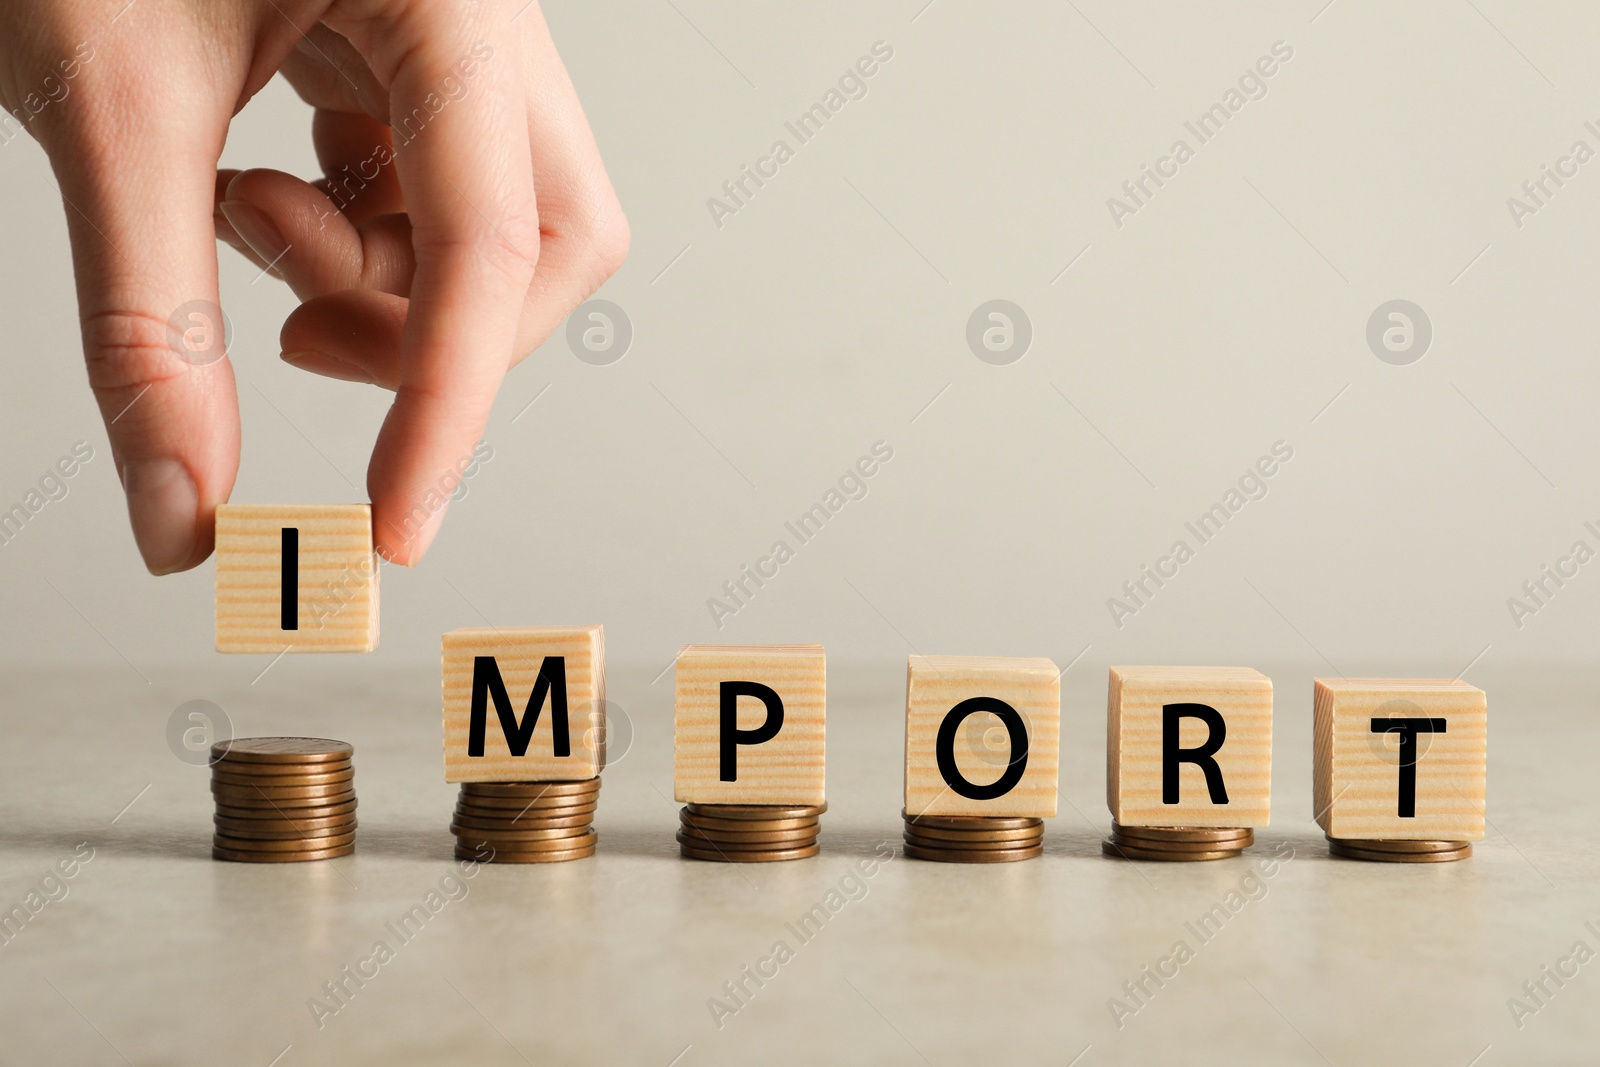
(252, 224)
(163, 506)
(326, 365)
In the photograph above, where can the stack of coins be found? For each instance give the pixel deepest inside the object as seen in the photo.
(1177, 843)
(525, 822)
(973, 838)
(1400, 851)
(283, 799)
(749, 833)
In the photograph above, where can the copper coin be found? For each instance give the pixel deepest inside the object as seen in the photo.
(526, 822)
(758, 811)
(506, 815)
(250, 799)
(476, 839)
(248, 856)
(1180, 846)
(747, 856)
(522, 842)
(531, 790)
(275, 771)
(1111, 848)
(1184, 833)
(264, 830)
(930, 844)
(974, 846)
(756, 837)
(1339, 848)
(1400, 846)
(565, 811)
(281, 812)
(494, 834)
(283, 844)
(715, 844)
(287, 805)
(934, 833)
(956, 855)
(502, 856)
(745, 825)
(281, 750)
(558, 800)
(971, 822)
(281, 792)
(282, 781)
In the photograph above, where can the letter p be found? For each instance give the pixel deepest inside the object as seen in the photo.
(732, 737)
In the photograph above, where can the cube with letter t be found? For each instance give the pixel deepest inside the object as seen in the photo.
(1400, 759)
(749, 724)
(1189, 746)
(524, 704)
(296, 578)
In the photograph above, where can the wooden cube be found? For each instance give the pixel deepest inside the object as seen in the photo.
(1400, 759)
(296, 578)
(1189, 746)
(524, 704)
(983, 736)
(748, 726)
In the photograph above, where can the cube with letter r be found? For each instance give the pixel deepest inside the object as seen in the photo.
(1189, 746)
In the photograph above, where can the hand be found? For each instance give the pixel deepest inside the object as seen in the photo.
(456, 157)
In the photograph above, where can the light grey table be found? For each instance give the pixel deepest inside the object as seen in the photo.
(156, 954)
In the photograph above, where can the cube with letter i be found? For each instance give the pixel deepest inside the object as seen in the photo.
(296, 578)
(749, 724)
(982, 736)
(1189, 746)
(524, 704)
(1400, 759)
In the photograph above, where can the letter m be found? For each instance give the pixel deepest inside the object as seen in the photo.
(487, 684)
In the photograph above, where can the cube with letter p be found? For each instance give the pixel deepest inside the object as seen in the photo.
(749, 724)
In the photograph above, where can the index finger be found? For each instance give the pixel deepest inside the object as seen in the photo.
(465, 166)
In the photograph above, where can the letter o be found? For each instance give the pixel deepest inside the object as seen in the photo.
(944, 748)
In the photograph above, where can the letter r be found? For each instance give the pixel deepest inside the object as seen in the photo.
(1203, 757)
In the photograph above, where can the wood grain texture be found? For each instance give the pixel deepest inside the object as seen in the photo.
(982, 750)
(519, 652)
(1134, 726)
(1356, 773)
(337, 599)
(789, 768)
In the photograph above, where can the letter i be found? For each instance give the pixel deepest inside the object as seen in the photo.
(290, 595)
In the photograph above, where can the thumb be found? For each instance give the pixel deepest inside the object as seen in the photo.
(138, 183)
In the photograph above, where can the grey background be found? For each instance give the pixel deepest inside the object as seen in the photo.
(769, 354)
